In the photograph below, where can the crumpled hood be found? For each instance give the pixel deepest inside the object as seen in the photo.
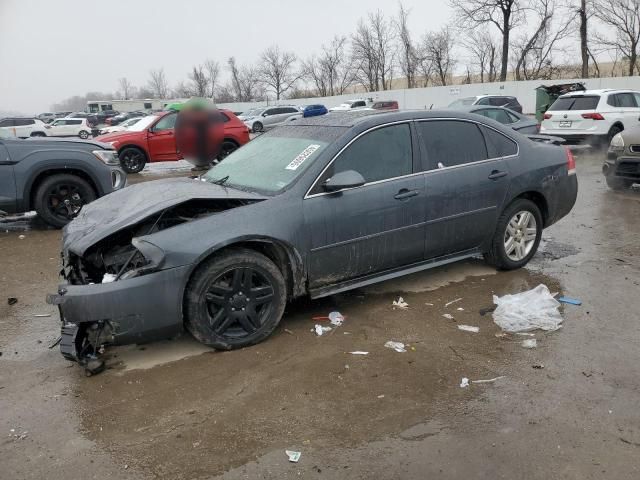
(128, 206)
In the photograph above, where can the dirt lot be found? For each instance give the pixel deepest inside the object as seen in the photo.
(177, 410)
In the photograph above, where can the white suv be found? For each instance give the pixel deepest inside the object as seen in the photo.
(22, 127)
(592, 116)
(69, 127)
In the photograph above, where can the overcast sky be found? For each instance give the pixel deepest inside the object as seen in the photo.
(53, 49)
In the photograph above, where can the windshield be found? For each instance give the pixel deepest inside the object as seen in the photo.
(143, 123)
(131, 121)
(274, 160)
(462, 102)
(576, 103)
(250, 113)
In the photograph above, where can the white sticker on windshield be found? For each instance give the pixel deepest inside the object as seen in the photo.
(299, 160)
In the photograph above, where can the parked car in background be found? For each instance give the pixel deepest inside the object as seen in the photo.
(351, 105)
(506, 101)
(621, 168)
(517, 121)
(21, 127)
(62, 114)
(226, 266)
(250, 113)
(69, 127)
(592, 117)
(152, 139)
(121, 117)
(103, 115)
(120, 127)
(92, 120)
(268, 117)
(56, 178)
(47, 117)
(385, 105)
(314, 110)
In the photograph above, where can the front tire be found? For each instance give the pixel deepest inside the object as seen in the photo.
(59, 198)
(517, 236)
(83, 134)
(257, 127)
(227, 148)
(132, 159)
(234, 300)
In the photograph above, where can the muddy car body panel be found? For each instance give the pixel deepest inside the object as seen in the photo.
(128, 259)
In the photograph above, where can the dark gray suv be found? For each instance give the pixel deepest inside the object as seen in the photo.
(55, 177)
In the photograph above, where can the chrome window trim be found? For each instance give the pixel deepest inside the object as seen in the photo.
(424, 172)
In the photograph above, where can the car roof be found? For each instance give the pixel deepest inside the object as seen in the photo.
(600, 91)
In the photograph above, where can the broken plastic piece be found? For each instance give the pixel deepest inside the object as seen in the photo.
(109, 277)
(293, 456)
(464, 383)
(400, 303)
(397, 346)
(448, 316)
(530, 343)
(527, 311)
(358, 352)
(490, 380)
(336, 318)
(452, 302)
(469, 328)
(320, 330)
(570, 301)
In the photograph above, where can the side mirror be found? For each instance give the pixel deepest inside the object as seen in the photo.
(342, 180)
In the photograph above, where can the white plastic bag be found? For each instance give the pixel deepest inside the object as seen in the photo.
(527, 311)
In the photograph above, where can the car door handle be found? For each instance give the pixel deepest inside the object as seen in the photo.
(496, 174)
(404, 194)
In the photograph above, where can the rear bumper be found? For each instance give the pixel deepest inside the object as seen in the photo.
(137, 310)
(626, 168)
(577, 138)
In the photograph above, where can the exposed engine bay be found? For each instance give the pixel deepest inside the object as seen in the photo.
(116, 257)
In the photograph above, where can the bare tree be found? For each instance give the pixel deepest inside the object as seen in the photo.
(198, 82)
(181, 90)
(331, 72)
(438, 50)
(126, 88)
(277, 70)
(623, 17)
(158, 83)
(372, 52)
(505, 15)
(583, 15)
(484, 54)
(408, 55)
(212, 69)
(534, 53)
(245, 82)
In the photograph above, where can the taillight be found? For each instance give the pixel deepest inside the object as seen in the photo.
(592, 116)
(571, 162)
(547, 116)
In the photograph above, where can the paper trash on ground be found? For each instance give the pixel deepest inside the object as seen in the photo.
(448, 316)
(400, 303)
(359, 352)
(526, 311)
(336, 318)
(530, 343)
(397, 346)
(293, 456)
(469, 328)
(320, 330)
(464, 383)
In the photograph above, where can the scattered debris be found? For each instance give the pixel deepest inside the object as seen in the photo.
(529, 343)
(526, 334)
(527, 311)
(359, 352)
(537, 366)
(430, 304)
(55, 344)
(460, 309)
(500, 335)
(336, 318)
(288, 331)
(469, 328)
(320, 330)
(12, 300)
(448, 316)
(485, 310)
(380, 396)
(490, 380)
(400, 303)
(464, 383)
(21, 237)
(452, 302)
(293, 456)
(109, 277)
(397, 346)
(570, 301)
(41, 315)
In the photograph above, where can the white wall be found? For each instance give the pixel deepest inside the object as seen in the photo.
(439, 97)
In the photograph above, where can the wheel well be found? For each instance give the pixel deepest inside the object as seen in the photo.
(231, 140)
(540, 202)
(617, 124)
(67, 171)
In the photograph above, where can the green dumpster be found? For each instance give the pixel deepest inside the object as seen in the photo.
(546, 95)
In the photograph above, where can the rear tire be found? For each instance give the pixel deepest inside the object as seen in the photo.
(517, 236)
(234, 300)
(83, 134)
(59, 198)
(132, 159)
(257, 127)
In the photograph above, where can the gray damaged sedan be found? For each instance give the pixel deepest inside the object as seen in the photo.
(317, 207)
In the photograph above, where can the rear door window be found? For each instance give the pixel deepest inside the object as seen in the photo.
(448, 143)
(498, 145)
(626, 100)
(498, 101)
(589, 102)
(7, 122)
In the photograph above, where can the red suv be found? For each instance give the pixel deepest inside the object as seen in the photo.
(152, 139)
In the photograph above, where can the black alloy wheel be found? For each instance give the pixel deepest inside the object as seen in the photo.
(60, 198)
(227, 148)
(132, 160)
(235, 299)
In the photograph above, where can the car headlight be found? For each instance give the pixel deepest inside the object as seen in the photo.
(617, 142)
(109, 157)
(153, 255)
